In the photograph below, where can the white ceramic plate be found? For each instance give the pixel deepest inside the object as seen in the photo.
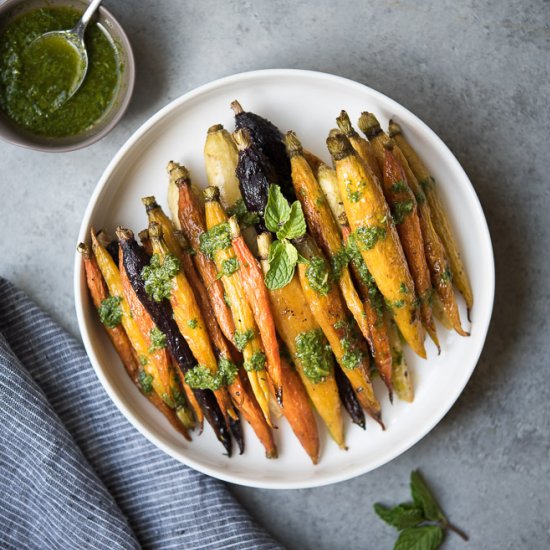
(308, 103)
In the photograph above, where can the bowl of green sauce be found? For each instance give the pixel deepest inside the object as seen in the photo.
(30, 78)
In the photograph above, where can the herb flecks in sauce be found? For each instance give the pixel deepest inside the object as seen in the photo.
(314, 354)
(110, 312)
(158, 276)
(318, 275)
(91, 100)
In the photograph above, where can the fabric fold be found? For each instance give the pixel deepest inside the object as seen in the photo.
(75, 473)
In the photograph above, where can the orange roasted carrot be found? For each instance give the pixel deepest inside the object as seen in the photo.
(157, 356)
(193, 225)
(436, 255)
(252, 279)
(99, 293)
(437, 211)
(405, 213)
(241, 395)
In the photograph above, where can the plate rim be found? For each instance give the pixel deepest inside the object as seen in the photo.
(78, 278)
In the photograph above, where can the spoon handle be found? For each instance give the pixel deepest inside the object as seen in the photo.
(80, 27)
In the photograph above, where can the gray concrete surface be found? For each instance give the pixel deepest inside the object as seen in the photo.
(478, 74)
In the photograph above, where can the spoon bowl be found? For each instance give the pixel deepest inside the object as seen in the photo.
(66, 51)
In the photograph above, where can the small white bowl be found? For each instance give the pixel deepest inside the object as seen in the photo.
(13, 133)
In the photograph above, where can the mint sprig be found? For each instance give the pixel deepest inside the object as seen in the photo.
(422, 523)
(287, 222)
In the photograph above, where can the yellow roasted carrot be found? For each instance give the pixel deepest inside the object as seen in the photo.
(307, 345)
(216, 243)
(326, 304)
(377, 239)
(405, 214)
(436, 256)
(188, 317)
(323, 227)
(240, 392)
(439, 215)
(401, 375)
(374, 306)
(362, 147)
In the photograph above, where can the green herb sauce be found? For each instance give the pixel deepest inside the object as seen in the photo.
(318, 275)
(402, 209)
(192, 323)
(245, 218)
(229, 267)
(314, 354)
(110, 312)
(200, 377)
(33, 79)
(216, 238)
(367, 237)
(145, 382)
(242, 338)
(256, 362)
(158, 276)
(399, 187)
(157, 338)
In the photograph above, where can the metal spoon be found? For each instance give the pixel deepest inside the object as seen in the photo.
(75, 38)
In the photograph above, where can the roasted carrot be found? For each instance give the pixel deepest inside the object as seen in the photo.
(405, 214)
(100, 294)
(349, 398)
(327, 306)
(188, 317)
(401, 376)
(374, 305)
(240, 393)
(436, 256)
(150, 284)
(114, 282)
(437, 211)
(323, 227)
(377, 239)
(193, 225)
(252, 280)
(307, 345)
(362, 147)
(217, 244)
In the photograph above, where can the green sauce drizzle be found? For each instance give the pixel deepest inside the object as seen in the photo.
(110, 312)
(158, 276)
(314, 354)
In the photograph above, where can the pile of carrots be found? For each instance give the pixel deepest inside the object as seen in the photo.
(272, 291)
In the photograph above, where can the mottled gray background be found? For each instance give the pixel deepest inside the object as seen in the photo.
(478, 74)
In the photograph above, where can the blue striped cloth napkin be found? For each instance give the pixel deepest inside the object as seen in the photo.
(75, 474)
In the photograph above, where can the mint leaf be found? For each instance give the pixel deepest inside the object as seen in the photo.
(428, 537)
(277, 210)
(282, 261)
(424, 498)
(295, 226)
(400, 516)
